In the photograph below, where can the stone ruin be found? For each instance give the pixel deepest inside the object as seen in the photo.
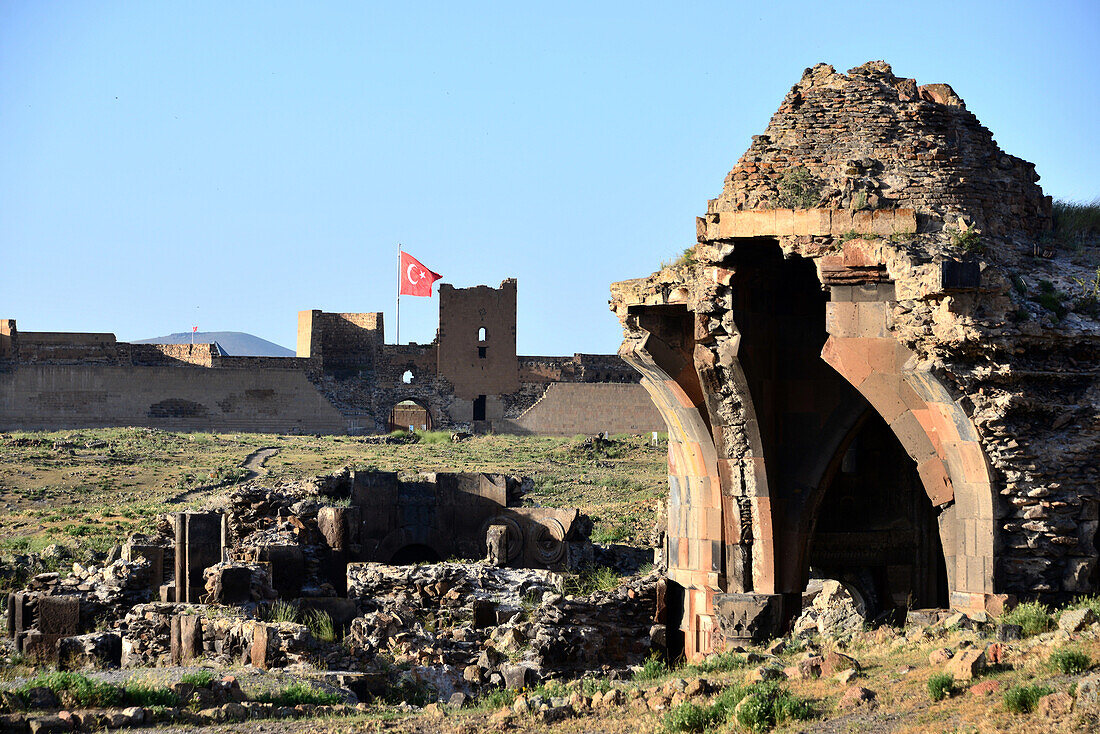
(862, 372)
(352, 546)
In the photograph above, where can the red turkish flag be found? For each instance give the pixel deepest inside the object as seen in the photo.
(416, 280)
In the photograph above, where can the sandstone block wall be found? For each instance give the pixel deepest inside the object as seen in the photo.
(52, 397)
(567, 409)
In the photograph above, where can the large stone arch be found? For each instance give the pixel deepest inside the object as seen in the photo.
(739, 421)
(937, 434)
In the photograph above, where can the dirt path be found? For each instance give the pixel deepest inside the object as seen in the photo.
(254, 463)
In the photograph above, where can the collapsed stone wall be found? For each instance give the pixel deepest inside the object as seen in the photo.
(873, 140)
(906, 274)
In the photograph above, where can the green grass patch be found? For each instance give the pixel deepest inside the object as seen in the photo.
(1032, 616)
(1075, 219)
(299, 693)
(280, 611)
(138, 694)
(722, 662)
(430, 437)
(320, 624)
(497, 698)
(590, 579)
(198, 678)
(1069, 661)
(759, 707)
(1022, 699)
(80, 689)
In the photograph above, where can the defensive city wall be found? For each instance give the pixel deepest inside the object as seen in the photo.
(345, 379)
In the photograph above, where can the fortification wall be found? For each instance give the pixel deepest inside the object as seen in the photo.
(44, 397)
(343, 340)
(569, 408)
(67, 348)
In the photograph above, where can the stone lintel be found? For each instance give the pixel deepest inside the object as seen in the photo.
(814, 222)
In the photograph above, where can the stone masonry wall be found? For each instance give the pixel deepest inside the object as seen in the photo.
(872, 140)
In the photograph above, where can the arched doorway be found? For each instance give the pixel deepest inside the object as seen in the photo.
(875, 528)
(409, 414)
(774, 379)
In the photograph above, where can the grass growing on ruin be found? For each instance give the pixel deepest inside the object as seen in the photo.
(1033, 617)
(1076, 219)
(298, 693)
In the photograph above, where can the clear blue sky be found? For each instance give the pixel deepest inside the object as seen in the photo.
(227, 164)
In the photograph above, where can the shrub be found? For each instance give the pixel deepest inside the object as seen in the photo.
(653, 668)
(1022, 699)
(198, 678)
(798, 189)
(1069, 661)
(967, 240)
(689, 717)
(1032, 616)
(299, 693)
(941, 686)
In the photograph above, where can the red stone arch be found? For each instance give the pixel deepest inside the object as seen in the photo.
(937, 434)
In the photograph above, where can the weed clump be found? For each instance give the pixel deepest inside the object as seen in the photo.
(1069, 661)
(591, 579)
(798, 189)
(281, 611)
(768, 705)
(1032, 616)
(941, 686)
(320, 624)
(1022, 699)
(653, 668)
(198, 678)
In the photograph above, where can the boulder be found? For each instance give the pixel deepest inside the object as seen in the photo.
(1054, 705)
(857, 696)
(966, 664)
(1075, 620)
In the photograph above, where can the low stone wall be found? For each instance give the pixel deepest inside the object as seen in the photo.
(567, 409)
(50, 397)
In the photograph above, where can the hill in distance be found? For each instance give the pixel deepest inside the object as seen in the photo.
(233, 343)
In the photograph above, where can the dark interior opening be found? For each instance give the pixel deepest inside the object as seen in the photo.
(876, 529)
(844, 494)
(479, 408)
(414, 553)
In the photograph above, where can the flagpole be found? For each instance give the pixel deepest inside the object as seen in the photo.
(398, 292)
